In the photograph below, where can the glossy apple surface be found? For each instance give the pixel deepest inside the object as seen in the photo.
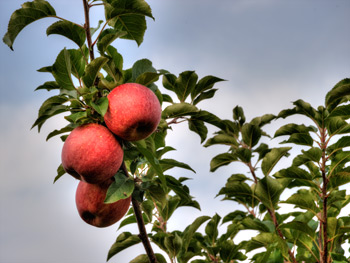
(89, 200)
(133, 113)
(91, 153)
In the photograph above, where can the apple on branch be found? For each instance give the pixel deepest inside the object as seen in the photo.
(89, 200)
(134, 111)
(91, 153)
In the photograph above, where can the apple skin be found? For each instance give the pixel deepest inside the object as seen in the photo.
(92, 153)
(134, 111)
(89, 199)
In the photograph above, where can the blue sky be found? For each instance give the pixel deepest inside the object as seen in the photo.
(271, 52)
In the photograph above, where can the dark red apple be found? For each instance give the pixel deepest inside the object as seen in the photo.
(133, 113)
(90, 198)
(91, 153)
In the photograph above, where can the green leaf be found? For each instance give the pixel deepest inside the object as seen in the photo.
(179, 110)
(76, 117)
(68, 128)
(306, 109)
(238, 114)
(169, 81)
(78, 63)
(292, 128)
(272, 158)
(305, 200)
(30, 12)
(240, 191)
(261, 121)
(209, 118)
(198, 127)
(298, 226)
(45, 69)
(50, 107)
(182, 191)
(93, 30)
(184, 84)
(54, 110)
(148, 207)
(114, 66)
(171, 163)
(300, 139)
(254, 224)
(211, 228)
(243, 154)
(121, 188)
(314, 154)
(224, 139)
(204, 84)
(261, 240)
(128, 16)
(60, 172)
(340, 144)
(69, 30)
(173, 243)
(92, 71)
(61, 70)
(191, 229)
(262, 150)
(221, 160)
(338, 179)
(48, 85)
(204, 95)
(147, 78)
(337, 125)
(151, 158)
(52, 101)
(101, 105)
(107, 37)
(338, 258)
(340, 111)
(229, 251)
(301, 176)
(124, 240)
(269, 190)
(142, 66)
(339, 161)
(251, 134)
(144, 259)
(338, 93)
(233, 216)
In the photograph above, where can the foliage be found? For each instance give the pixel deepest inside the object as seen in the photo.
(314, 232)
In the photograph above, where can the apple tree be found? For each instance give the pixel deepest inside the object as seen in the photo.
(115, 144)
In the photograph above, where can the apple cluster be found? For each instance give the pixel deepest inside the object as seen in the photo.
(93, 153)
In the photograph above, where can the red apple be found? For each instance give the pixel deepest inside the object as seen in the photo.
(133, 113)
(91, 153)
(90, 198)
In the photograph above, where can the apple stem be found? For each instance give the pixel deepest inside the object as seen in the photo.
(141, 225)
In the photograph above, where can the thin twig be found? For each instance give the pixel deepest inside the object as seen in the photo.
(279, 232)
(141, 225)
(87, 29)
(324, 253)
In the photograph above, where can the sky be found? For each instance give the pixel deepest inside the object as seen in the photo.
(271, 52)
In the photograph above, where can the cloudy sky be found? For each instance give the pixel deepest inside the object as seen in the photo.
(271, 52)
